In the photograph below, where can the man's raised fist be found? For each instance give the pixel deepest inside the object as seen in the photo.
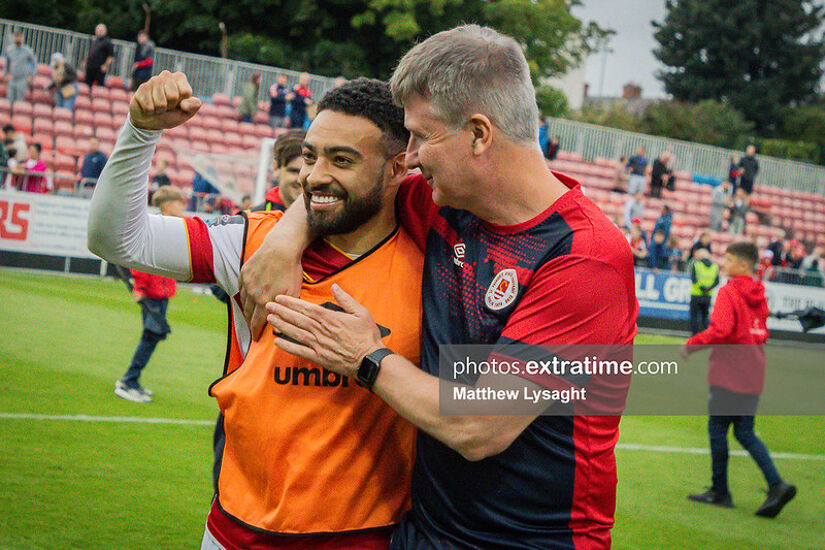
(165, 101)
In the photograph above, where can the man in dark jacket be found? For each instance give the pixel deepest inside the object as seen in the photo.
(144, 59)
(660, 175)
(101, 55)
(737, 377)
(750, 167)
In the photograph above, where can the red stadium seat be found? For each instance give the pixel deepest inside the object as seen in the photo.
(44, 70)
(45, 139)
(22, 123)
(82, 87)
(181, 131)
(104, 119)
(207, 109)
(251, 142)
(263, 130)
(215, 136)
(42, 96)
(5, 105)
(43, 125)
(101, 104)
(65, 143)
(246, 128)
(212, 123)
(84, 116)
(226, 111)
(221, 99)
(120, 110)
(115, 82)
(261, 118)
(41, 110)
(65, 162)
(233, 139)
(230, 125)
(83, 131)
(83, 102)
(118, 94)
(105, 133)
(100, 92)
(22, 108)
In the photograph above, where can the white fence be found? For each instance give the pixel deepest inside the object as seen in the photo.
(208, 75)
(591, 141)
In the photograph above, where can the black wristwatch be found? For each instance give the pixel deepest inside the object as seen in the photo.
(370, 365)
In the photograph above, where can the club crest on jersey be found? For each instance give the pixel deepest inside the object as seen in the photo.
(458, 254)
(503, 290)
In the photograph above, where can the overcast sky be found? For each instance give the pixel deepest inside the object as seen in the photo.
(632, 56)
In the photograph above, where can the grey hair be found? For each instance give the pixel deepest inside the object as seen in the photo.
(472, 69)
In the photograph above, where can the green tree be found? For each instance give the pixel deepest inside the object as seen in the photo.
(759, 55)
(707, 121)
(358, 37)
(551, 102)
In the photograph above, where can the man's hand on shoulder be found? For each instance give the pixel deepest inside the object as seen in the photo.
(165, 101)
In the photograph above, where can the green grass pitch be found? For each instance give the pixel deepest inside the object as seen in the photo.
(93, 484)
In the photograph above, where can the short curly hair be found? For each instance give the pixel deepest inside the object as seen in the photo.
(371, 99)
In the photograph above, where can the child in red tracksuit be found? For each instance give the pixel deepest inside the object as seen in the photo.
(152, 292)
(736, 376)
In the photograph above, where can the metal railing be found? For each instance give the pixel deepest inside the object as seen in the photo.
(207, 75)
(591, 142)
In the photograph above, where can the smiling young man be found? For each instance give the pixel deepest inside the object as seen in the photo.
(311, 460)
(514, 255)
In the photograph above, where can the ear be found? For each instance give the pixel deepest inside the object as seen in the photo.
(398, 169)
(481, 130)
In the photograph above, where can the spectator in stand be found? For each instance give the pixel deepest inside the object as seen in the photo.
(664, 221)
(21, 65)
(704, 275)
(658, 254)
(734, 171)
(299, 99)
(544, 138)
(750, 168)
(620, 177)
(4, 157)
(553, 149)
(737, 378)
(739, 207)
(205, 196)
(813, 269)
(160, 179)
(638, 246)
(144, 58)
(93, 164)
(64, 82)
(152, 292)
(777, 247)
(246, 203)
(661, 175)
(636, 167)
(703, 242)
(765, 271)
(29, 170)
(15, 143)
(101, 55)
(286, 167)
(249, 97)
(719, 200)
(676, 254)
(634, 207)
(277, 102)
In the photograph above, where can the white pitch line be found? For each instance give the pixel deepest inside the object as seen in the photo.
(192, 422)
(118, 419)
(705, 451)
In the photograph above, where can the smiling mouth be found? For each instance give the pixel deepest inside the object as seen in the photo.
(323, 201)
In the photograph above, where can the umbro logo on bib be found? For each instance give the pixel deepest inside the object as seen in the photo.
(503, 290)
